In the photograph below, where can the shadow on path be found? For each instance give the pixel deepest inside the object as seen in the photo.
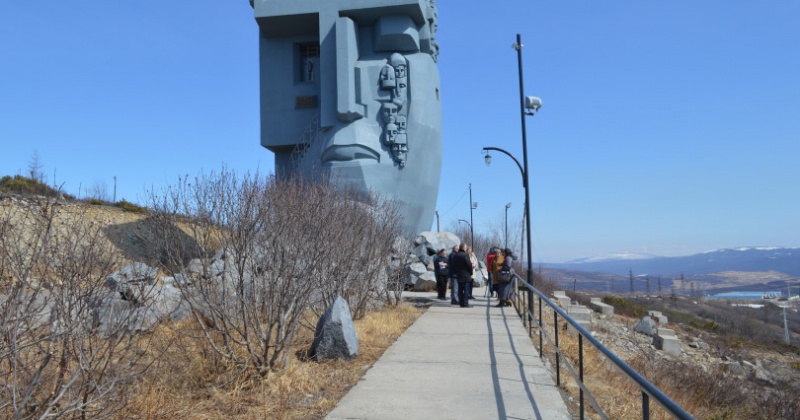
(501, 411)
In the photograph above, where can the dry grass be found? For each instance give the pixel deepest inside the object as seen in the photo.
(189, 381)
(704, 394)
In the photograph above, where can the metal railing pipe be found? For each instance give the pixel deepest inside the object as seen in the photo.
(648, 389)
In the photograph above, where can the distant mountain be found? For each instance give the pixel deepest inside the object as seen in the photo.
(752, 259)
(612, 257)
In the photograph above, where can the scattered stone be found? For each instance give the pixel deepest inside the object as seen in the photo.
(734, 368)
(132, 282)
(426, 282)
(432, 242)
(645, 326)
(335, 336)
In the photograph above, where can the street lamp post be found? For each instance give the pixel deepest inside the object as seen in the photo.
(472, 206)
(528, 106)
(468, 224)
(508, 206)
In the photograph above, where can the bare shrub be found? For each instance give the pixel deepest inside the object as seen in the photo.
(53, 363)
(286, 247)
(98, 191)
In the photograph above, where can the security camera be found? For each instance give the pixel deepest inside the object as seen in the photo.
(533, 103)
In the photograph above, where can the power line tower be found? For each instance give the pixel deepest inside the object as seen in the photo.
(683, 285)
(786, 336)
(630, 275)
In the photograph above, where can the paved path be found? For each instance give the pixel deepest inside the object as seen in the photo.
(457, 363)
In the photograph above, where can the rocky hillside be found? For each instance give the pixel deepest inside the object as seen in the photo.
(735, 355)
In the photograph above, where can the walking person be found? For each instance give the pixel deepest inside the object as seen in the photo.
(463, 268)
(442, 274)
(453, 277)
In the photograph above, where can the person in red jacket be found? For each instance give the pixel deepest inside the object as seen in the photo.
(489, 258)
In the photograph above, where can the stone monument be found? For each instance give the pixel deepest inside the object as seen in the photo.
(350, 93)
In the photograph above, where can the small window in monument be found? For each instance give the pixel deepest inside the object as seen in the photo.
(309, 61)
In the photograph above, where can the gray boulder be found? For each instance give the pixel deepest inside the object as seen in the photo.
(142, 319)
(167, 303)
(645, 326)
(195, 267)
(434, 241)
(110, 314)
(426, 282)
(335, 336)
(132, 282)
(421, 253)
(415, 270)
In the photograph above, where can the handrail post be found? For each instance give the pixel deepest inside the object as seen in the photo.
(580, 369)
(524, 309)
(530, 312)
(541, 332)
(645, 406)
(558, 349)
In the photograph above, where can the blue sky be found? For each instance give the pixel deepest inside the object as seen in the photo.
(668, 128)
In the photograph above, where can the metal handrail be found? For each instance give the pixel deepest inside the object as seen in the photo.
(528, 315)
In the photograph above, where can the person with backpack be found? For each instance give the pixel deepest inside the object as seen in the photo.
(442, 274)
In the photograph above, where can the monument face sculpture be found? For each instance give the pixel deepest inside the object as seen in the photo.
(350, 92)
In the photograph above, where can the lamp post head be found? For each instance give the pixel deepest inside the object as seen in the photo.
(475, 205)
(487, 159)
(508, 206)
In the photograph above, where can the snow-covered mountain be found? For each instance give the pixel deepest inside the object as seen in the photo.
(749, 259)
(612, 257)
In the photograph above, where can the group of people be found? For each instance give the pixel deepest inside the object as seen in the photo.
(501, 274)
(458, 268)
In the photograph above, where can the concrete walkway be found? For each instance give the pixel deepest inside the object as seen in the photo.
(457, 363)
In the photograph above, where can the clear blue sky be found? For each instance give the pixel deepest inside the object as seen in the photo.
(668, 128)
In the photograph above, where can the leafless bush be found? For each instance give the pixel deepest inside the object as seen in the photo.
(714, 394)
(287, 248)
(98, 191)
(51, 361)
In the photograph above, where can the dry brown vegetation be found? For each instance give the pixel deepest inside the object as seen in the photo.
(707, 392)
(289, 248)
(190, 381)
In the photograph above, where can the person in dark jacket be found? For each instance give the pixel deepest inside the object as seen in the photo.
(442, 274)
(462, 266)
